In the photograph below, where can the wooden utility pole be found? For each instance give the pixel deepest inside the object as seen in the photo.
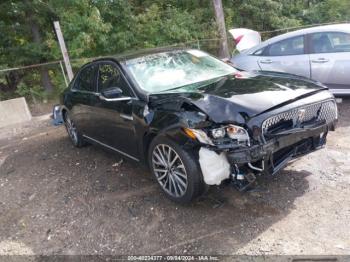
(63, 50)
(220, 20)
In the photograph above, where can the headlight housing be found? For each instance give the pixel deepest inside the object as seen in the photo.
(218, 133)
(222, 135)
(238, 133)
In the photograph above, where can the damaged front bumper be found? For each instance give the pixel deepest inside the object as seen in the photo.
(266, 158)
(278, 151)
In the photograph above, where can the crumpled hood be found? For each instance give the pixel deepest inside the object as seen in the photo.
(244, 95)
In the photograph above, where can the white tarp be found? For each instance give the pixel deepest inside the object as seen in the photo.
(245, 38)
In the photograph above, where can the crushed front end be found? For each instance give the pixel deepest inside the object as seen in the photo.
(266, 142)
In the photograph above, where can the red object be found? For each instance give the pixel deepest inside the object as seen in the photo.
(238, 39)
(238, 75)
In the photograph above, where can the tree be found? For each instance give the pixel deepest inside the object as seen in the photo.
(23, 41)
(37, 39)
(326, 11)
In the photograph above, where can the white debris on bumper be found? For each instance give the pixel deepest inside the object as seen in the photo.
(215, 168)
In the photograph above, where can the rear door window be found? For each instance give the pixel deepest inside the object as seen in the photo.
(329, 42)
(291, 46)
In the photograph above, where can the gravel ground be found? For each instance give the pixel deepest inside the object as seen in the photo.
(56, 199)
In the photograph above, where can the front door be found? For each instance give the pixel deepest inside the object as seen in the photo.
(330, 60)
(113, 118)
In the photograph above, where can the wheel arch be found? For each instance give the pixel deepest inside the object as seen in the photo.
(173, 132)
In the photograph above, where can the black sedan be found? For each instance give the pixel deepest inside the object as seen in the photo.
(194, 120)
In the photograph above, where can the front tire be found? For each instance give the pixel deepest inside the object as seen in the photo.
(74, 135)
(176, 170)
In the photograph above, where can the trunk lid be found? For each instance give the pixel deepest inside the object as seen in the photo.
(245, 38)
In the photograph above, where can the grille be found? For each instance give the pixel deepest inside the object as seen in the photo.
(324, 111)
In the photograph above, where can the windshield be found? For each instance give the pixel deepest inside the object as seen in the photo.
(171, 70)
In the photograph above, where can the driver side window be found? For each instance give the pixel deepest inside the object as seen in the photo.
(109, 76)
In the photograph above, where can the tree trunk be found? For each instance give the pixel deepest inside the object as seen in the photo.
(220, 20)
(44, 72)
(12, 80)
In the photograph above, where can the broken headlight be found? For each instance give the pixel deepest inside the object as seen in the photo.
(218, 132)
(199, 134)
(225, 134)
(236, 133)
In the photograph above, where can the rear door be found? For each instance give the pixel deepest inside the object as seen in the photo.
(83, 93)
(287, 56)
(330, 59)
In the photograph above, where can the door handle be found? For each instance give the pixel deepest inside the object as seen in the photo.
(266, 61)
(320, 60)
(127, 117)
(124, 98)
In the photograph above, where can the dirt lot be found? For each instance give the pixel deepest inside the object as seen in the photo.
(56, 199)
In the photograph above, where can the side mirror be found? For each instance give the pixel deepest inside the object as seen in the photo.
(112, 92)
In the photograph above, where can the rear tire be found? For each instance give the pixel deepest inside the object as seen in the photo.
(176, 170)
(73, 133)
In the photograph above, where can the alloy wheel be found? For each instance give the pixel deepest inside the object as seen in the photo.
(72, 130)
(169, 170)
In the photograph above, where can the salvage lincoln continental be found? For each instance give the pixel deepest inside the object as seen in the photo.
(195, 120)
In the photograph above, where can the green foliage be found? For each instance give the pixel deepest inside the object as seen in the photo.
(263, 14)
(105, 27)
(327, 11)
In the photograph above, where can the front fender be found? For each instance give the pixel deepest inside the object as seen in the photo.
(171, 125)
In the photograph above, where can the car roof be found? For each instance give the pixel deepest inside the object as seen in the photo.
(316, 29)
(324, 28)
(139, 53)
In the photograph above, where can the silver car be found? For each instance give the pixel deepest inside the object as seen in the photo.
(321, 53)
